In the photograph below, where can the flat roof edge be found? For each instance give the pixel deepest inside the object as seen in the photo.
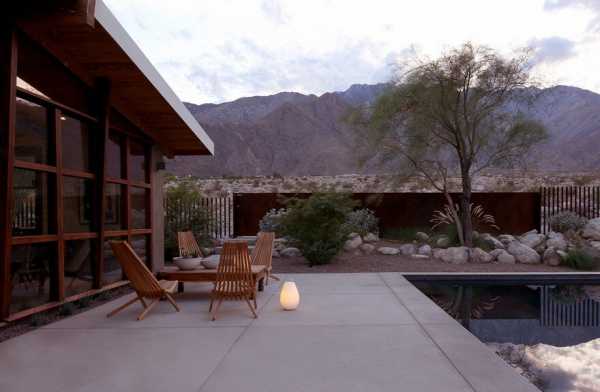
(110, 23)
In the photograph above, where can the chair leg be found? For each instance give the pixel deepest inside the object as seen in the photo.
(117, 310)
(251, 308)
(172, 301)
(149, 308)
(214, 316)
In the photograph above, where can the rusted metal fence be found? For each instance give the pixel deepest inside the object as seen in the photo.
(217, 210)
(582, 200)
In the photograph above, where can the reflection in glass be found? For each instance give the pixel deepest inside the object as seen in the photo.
(139, 245)
(138, 167)
(32, 136)
(79, 267)
(139, 197)
(77, 201)
(31, 268)
(114, 156)
(76, 145)
(115, 207)
(112, 268)
(33, 199)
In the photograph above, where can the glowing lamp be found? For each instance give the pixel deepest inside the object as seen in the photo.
(289, 298)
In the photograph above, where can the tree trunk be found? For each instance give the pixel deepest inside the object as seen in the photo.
(465, 209)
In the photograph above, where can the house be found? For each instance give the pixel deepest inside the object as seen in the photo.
(85, 121)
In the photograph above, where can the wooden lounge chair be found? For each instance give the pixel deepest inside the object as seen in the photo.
(262, 254)
(234, 278)
(142, 280)
(188, 247)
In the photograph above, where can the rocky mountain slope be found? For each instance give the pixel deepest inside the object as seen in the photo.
(296, 134)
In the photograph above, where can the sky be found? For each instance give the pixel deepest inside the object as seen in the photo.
(220, 50)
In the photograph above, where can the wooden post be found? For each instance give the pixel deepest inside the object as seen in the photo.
(8, 91)
(99, 199)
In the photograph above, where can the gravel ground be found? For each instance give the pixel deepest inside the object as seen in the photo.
(347, 262)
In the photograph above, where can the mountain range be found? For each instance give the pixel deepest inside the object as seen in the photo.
(293, 134)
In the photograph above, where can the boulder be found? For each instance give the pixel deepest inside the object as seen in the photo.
(591, 230)
(551, 257)
(421, 237)
(532, 239)
(408, 249)
(351, 236)
(556, 241)
(207, 251)
(506, 238)
(437, 253)
(492, 241)
(562, 254)
(388, 250)
(424, 250)
(276, 253)
(506, 258)
(291, 252)
(495, 253)
(523, 253)
(595, 244)
(443, 242)
(367, 248)
(352, 244)
(455, 255)
(479, 255)
(370, 237)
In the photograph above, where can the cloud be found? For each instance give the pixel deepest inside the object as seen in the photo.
(592, 5)
(552, 50)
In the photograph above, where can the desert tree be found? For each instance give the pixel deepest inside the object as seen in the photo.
(453, 117)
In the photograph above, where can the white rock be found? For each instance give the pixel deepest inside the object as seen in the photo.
(367, 248)
(424, 250)
(523, 253)
(495, 253)
(556, 241)
(506, 238)
(479, 255)
(291, 252)
(408, 249)
(388, 250)
(353, 235)
(562, 254)
(455, 255)
(551, 257)
(506, 258)
(437, 253)
(532, 239)
(595, 244)
(419, 256)
(443, 242)
(591, 230)
(492, 241)
(370, 237)
(352, 244)
(421, 237)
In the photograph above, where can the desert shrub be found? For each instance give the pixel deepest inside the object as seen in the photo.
(362, 221)
(566, 221)
(180, 195)
(581, 259)
(315, 225)
(272, 221)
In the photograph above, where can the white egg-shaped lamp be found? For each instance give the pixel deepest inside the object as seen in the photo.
(289, 297)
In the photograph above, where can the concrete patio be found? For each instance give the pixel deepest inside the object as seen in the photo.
(352, 332)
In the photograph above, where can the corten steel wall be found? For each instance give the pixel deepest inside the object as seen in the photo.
(514, 212)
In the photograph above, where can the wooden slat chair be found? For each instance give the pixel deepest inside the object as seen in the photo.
(142, 280)
(188, 247)
(262, 254)
(234, 280)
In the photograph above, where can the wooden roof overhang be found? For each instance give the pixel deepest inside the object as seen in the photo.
(86, 38)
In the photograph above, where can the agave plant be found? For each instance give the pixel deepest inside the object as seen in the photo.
(447, 216)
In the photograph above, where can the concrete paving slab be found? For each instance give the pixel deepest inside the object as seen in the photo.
(85, 360)
(337, 309)
(420, 306)
(327, 358)
(483, 369)
(338, 283)
(194, 303)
